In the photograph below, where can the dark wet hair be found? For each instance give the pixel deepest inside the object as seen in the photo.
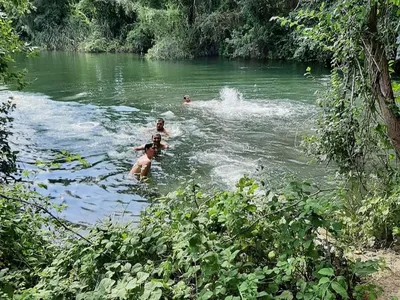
(161, 119)
(156, 135)
(148, 146)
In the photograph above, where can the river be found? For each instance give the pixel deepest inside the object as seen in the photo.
(243, 115)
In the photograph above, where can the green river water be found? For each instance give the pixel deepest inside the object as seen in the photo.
(243, 115)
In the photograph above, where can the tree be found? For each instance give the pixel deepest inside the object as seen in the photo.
(10, 43)
(378, 70)
(359, 128)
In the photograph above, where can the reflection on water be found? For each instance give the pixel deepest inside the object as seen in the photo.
(235, 123)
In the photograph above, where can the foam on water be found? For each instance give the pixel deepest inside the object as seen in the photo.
(43, 127)
(225, 167)
(85, 126)
(76, 96)
(232, 105)
(168, 114)
(219, 139)
(124, 108)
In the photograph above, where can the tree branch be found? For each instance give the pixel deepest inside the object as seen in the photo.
(45, 210)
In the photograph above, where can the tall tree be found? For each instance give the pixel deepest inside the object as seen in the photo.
(360, 125)
(378, 69)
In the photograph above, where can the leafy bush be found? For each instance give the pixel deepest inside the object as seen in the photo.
(10, 44)
(372, 221)
(210, 31)
(96, 43)
(138, 40)
(168, 48)
(231, 245)
(257, 41)
(167, 28)
(55, 25)
(25, 247)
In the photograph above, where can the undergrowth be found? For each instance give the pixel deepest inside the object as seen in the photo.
(245, 244)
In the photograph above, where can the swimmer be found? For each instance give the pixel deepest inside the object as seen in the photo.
(186, 99)
(142, 165)
(156, 142)
(160, 126)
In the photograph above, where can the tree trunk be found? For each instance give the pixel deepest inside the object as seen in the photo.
(380, 81)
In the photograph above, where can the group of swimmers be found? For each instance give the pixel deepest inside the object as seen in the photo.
(142, 166)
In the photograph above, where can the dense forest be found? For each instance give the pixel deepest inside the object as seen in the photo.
(258, 242)
(166, 29)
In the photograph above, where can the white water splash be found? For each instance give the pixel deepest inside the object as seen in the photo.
(168, 114)
(232, 105)
(226, 168)
(76, 96)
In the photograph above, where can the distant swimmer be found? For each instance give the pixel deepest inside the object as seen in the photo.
(142, 165)
(160, 126)
(156, 142)
(186, 99)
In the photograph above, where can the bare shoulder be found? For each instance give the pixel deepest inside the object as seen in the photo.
(143, 160)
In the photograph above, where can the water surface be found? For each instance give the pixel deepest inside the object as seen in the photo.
(243, 114)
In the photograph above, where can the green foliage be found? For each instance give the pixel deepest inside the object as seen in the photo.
(168, 31)
(338, 130)
(257, 38)
(208, 34)
(168, 48)
(372, 221)
(62, 158)
(73, 25)
(53, 25)
(257, 42)
(231, 245)
(351, 131)
(139, 40)
(197, 28)
(25, 248)
(111, 18)
(65, 36)
(96, 43)
(10, 43)
(8, 156)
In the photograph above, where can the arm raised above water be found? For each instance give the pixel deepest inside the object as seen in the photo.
(138, 148)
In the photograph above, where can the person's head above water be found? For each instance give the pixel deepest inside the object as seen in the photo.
(186, 99)
(150, 150)
(160, 125)
(156, 139)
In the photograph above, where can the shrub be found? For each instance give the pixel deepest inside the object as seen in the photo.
(373, 221)
(168, 48)
(231, 245)
(25, 247)
(139, 40)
